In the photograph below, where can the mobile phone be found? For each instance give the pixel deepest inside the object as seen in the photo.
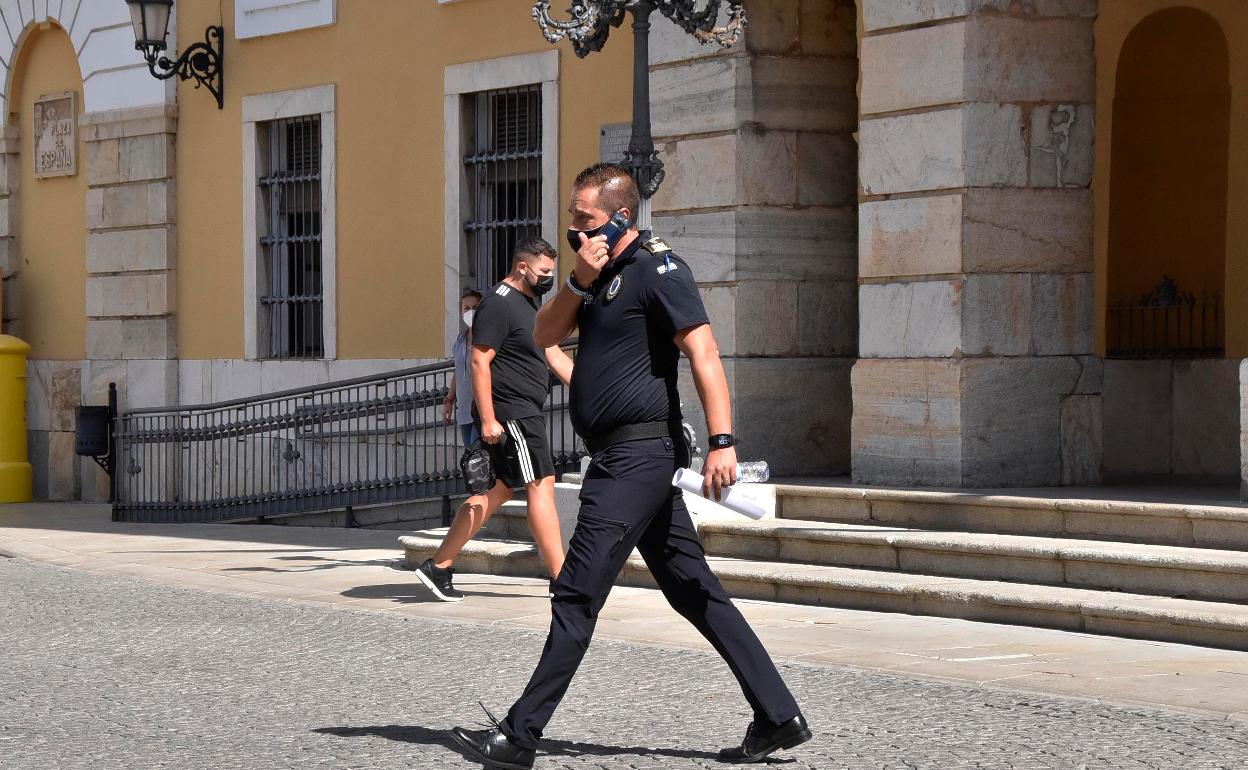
(615, 228)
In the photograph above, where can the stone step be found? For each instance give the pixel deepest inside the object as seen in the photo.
(510, 521)
(1160, 570)
(1157, 618)
(1223, 527)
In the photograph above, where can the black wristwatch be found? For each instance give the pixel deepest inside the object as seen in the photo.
(722, 441)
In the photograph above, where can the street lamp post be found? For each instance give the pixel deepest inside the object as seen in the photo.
(590, 24)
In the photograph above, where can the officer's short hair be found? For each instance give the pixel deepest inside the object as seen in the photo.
(529, 248)
(616, 187)
(469, 292)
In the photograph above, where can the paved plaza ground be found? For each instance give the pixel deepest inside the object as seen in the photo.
(114, 658)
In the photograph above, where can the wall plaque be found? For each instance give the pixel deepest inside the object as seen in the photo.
(56, 135)
(613, 141)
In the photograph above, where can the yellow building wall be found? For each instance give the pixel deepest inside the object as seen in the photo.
(53, 219)
(386, 59)
(1115, 23)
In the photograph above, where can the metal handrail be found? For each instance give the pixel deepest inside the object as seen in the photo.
(366, 440)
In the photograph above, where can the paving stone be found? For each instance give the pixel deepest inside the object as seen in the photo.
(113, 672)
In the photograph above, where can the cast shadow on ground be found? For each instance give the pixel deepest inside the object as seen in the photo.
(427, 737)
(409, 593)
(323, 563)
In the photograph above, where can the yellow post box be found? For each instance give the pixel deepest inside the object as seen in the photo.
(15, 472)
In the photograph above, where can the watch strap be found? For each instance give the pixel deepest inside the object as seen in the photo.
(577, 290)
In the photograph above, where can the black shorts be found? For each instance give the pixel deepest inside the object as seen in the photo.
(525, 457)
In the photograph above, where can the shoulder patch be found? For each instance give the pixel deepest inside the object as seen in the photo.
(657, 246)
(502, 290)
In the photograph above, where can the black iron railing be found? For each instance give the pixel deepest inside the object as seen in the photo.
(365, 441)
(1166, 323)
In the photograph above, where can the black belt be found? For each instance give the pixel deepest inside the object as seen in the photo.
(640, 430)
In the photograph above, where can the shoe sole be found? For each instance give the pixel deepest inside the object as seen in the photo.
(477, 756)
(420, 575)
(795, 741)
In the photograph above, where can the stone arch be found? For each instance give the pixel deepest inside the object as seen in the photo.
(114, 75)
(1169, 162)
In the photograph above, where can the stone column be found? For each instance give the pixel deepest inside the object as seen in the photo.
(976, 257)
(10, 263)
(131, 262)
(1243, 430)
(760, 199)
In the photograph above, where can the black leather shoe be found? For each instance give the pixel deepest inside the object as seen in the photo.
(492, 748)
(763, 739)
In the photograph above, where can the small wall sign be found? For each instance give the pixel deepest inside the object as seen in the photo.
(56, 135)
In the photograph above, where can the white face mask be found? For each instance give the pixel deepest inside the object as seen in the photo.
(468, 314)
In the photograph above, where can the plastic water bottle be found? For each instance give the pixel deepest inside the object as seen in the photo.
(753, 472)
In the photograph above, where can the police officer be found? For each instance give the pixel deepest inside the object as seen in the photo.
(637, 308)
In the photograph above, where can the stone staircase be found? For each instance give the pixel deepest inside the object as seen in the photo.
(1168, 571)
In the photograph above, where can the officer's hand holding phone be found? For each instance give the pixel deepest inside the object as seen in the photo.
(491, 431)
(590, 259)
(719, 472)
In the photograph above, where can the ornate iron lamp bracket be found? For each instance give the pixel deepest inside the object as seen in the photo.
(200, 62)
(589, 24)
(591, 21)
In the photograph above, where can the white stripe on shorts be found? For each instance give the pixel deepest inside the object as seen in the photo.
(522, 452)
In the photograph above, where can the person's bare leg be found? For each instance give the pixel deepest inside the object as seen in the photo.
(544, 523)
(470, 517)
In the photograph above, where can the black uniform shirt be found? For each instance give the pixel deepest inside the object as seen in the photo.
(504, 322)
(626, 364)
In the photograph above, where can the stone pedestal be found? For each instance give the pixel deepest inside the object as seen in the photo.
(760, 199)
(976, 296)
(131, 263)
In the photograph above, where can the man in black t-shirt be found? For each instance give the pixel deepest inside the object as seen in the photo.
(510, 382)
(637, 308)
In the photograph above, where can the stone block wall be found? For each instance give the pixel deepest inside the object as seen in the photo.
(53, 390)
(975, 245)
(1243, 430)
(1172, 418)
(131, 299)
(760, 199)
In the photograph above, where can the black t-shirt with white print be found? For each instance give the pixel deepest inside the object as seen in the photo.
(504, 322)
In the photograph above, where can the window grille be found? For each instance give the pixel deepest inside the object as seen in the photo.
(503, 163)
(291, 298)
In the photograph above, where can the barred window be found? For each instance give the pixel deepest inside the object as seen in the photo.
(503, 162)
(289, 192)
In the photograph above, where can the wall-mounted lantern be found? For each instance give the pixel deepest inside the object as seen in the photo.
(201, 61)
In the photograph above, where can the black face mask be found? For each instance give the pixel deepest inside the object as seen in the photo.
(574, 235)
(543, 284)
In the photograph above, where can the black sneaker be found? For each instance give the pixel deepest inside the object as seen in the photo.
(439, 581)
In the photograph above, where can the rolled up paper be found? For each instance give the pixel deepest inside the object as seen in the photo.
(734, 498)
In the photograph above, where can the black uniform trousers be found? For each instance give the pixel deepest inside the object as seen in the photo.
(628, 501)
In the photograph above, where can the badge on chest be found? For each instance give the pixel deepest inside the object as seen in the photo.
(613, 289)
